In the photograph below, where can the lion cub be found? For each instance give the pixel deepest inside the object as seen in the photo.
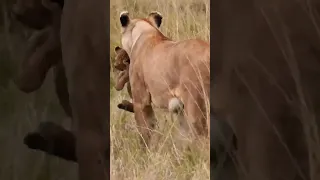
(43, 50)
(122, 62)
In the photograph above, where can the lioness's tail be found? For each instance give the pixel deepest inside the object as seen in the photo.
(175, 105)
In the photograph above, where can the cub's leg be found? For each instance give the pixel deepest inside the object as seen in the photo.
(143, 112)
(123, 78)
(41, 56)
(126, 105)
(54, 140)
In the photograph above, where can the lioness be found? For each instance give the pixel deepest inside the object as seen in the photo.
(170, 74)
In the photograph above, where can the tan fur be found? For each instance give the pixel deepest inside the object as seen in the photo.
(266, 69)
(162, 70)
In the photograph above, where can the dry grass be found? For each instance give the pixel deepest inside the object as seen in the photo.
(182, 19)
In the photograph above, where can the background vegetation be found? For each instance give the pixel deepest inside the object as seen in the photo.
(21, 113)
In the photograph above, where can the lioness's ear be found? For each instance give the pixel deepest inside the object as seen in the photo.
(124, 18)
(155, 18)
(117, 49)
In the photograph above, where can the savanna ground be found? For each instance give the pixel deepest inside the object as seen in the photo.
(182, 19)
(21, 113)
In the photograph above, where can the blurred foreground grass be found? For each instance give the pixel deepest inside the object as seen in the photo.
(21, 113)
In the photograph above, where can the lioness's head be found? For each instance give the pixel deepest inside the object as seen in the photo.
(131, 29)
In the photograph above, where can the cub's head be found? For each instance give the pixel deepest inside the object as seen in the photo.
(31, 13)
(132, 28)
(122, 59)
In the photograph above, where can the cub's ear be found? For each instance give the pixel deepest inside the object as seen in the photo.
(117, 49)
(124, 18)
(155, 18)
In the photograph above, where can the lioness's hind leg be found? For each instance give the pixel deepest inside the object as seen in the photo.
(195, 115)
(182, 133)
(145, 119)
(184, 129)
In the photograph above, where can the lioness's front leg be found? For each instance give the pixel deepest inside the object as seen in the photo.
(61, 88)
(143, 112)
